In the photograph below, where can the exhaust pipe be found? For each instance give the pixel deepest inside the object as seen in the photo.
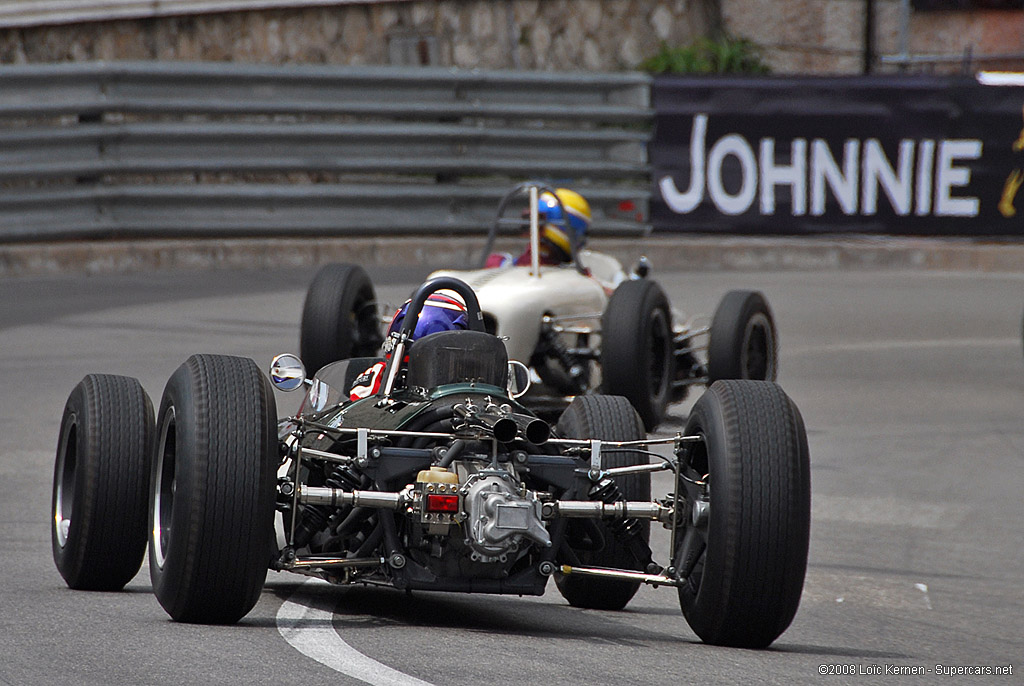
(507, 426)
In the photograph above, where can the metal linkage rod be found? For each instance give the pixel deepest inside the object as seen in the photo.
(585, 443)
(640, 469)
(335, 562)
(312, 426)
(621, 509)
(623, 574)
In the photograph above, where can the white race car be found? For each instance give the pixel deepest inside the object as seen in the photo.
(580, 327)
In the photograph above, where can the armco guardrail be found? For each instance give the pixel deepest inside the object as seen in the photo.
(221, 149)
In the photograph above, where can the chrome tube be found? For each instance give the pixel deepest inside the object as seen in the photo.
(336, 497)
(534, 232)
(334, 562)
(640, 469)
(641, 443)
(396, 361)
(624, 575)
(595, 509)
(333, 457)
(372, 433)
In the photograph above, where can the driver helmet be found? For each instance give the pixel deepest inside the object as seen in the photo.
(444, 310)
(562, 232)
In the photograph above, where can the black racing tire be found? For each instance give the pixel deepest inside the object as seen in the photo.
(750, 553)
(637, 350)
(339, 317)
(607, 418)
(100, 483)
(743, 341)
(212, 490)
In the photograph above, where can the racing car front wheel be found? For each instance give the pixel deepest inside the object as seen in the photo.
(743, 343)
(741, 551)
(637, 350)
(339, 317)
(609, 418)
(212, 490)
(100, 480)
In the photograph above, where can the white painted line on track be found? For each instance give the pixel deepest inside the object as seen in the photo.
(311, 631)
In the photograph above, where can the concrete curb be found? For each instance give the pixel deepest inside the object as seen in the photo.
(677, 253)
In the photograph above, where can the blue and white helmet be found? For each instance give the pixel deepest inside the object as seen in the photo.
(444, 310)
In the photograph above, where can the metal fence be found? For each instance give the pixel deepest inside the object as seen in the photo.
(128, 149)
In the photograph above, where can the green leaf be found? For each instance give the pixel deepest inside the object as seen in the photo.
(726, 55)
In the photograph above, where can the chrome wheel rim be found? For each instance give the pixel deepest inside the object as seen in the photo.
(164, 488)
(67, 467)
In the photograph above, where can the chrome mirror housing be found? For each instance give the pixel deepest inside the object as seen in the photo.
(518, 378)
(287, 372)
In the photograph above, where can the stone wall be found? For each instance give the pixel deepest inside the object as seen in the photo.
(797, 36)
(828, 36)
(605, 35)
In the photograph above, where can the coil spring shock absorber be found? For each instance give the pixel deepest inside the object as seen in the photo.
(575, 370)
(316, 517)
(345, 477)
(629, 531)
(560, 349)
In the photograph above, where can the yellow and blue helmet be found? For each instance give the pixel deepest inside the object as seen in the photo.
(562, 231)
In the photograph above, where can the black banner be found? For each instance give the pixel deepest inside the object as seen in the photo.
(913, 155)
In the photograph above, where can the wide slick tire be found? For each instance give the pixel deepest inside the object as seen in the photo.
(637, 349)
(609, 418)
(100, 483)
(743, 343)
(339, 317)
(212, 490)
(744, 561)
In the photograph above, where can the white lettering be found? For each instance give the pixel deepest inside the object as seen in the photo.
(737, 146)
(922, 180)
(878, 172)
(925, 160)
(947, 176)
(843, 183)
(684, 203)
(793, 175)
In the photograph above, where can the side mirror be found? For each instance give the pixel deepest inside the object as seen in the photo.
(287, 372)
(642, 268)
(518, 378)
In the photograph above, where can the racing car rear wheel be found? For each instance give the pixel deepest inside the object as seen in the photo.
(212, 490)
(637, 359)
(100, 480)
(339, 317)
(742, 549)
(607, 418)
(743, 343)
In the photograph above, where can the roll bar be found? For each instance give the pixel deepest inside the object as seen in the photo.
(412, 315)
(501, 220)
(419, 298)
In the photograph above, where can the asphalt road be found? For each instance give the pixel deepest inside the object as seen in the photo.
(911, 385)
